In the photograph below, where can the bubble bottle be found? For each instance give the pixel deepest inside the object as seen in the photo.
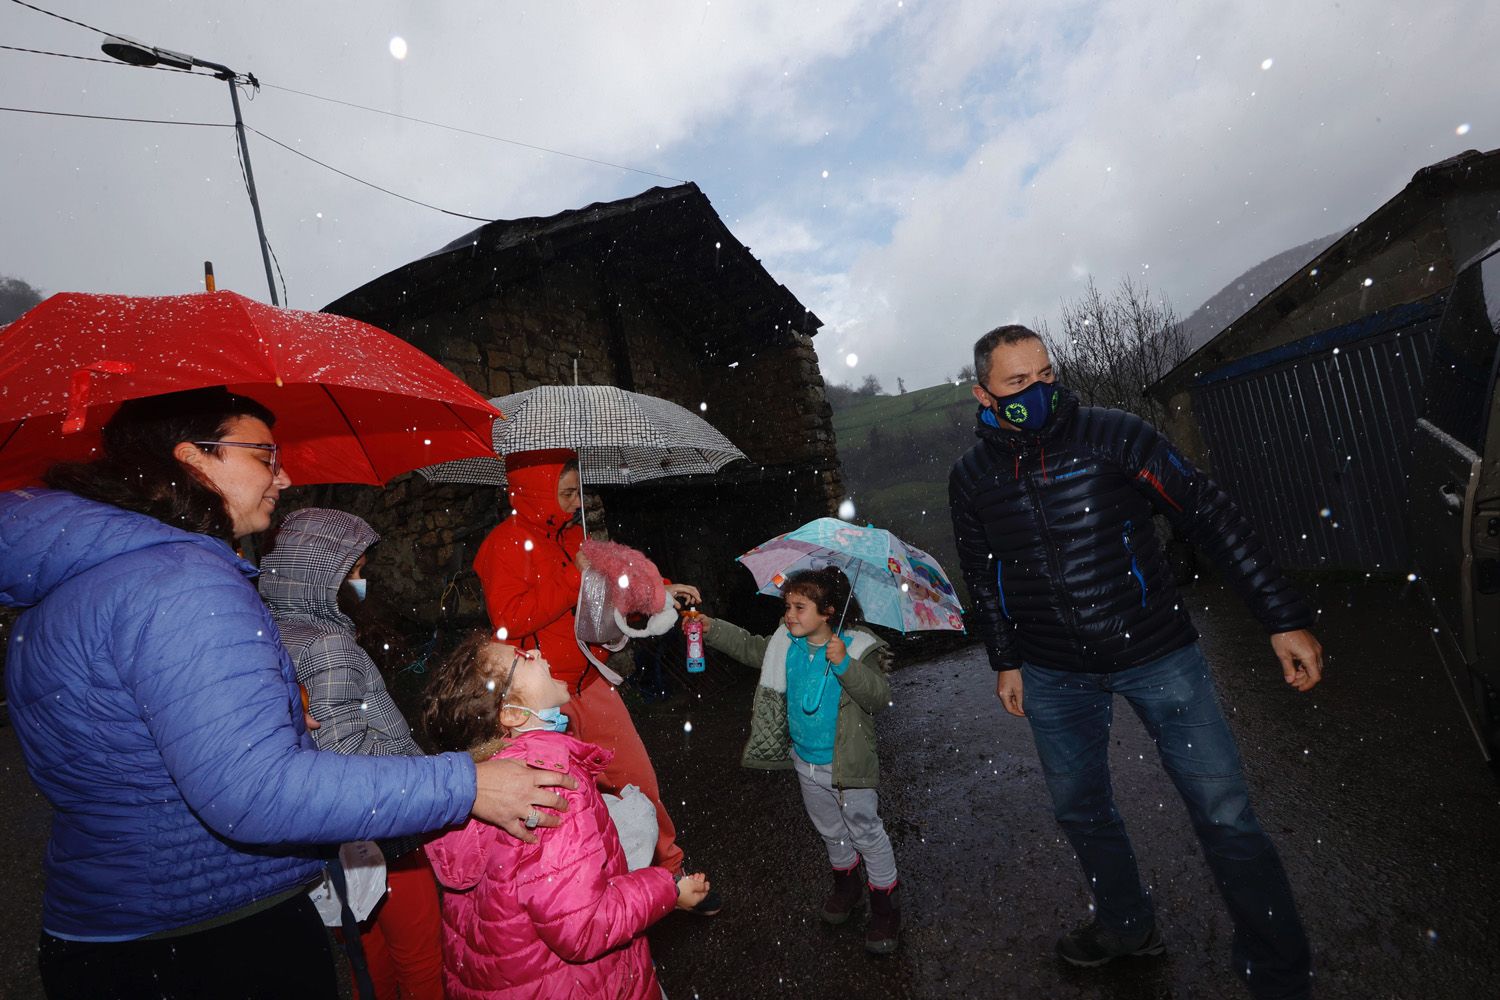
(692, 627)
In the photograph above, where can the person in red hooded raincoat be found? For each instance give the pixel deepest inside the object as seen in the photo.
(529, 570)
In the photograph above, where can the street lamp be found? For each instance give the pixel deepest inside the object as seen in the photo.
(128, 50)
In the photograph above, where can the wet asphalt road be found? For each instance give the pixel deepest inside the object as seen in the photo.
(1386, 817)
(1372, 787)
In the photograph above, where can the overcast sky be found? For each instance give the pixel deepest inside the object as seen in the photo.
(916, 172)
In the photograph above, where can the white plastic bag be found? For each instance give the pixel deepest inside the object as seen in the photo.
(364, 873)
(635, 821)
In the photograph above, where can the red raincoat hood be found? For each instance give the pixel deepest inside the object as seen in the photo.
(532, 478)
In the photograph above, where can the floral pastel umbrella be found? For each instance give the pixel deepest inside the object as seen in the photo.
(898, 585)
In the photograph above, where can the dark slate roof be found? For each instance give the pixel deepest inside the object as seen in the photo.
(667, 241)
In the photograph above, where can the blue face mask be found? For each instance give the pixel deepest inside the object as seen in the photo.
(359, 587)
(1030, 409)
(551, 719)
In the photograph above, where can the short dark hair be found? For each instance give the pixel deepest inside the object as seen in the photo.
(1011, 333)
(828, 588)
(464, 696)
(138, 471)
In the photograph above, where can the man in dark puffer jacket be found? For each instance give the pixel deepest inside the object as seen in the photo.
(1052, 516)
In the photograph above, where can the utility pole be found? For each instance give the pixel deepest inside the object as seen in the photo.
(135, 53)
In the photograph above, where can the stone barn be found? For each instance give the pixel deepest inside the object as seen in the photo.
(1304, 406)
(652, 294)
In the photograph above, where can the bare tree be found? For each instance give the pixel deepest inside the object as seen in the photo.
(1113, 347)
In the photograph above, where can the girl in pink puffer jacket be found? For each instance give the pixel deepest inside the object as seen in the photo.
(561, 917)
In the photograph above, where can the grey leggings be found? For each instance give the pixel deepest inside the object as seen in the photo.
(848, 821)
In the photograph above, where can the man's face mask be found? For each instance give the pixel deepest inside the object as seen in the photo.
(1030, 409)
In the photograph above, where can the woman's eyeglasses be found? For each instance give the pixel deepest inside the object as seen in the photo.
(274, 449)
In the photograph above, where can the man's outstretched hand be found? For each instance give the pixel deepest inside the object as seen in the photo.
(1301, 657)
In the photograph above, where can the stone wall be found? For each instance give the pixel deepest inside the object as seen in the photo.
(767, 398)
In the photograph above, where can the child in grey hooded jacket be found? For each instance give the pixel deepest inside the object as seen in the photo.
(317, 556)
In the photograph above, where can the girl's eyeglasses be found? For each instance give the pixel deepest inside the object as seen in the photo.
(521, 654)
(274, 449)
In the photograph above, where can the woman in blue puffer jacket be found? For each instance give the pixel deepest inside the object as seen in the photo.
(159, 713)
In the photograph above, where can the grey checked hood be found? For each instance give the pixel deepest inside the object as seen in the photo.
(315, 549)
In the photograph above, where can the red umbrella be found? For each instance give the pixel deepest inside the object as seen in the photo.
(353, 404)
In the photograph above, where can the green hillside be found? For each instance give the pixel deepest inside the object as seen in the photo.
(924, 408)
(896, 452)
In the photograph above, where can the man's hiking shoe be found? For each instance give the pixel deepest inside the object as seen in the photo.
(848, 892)
(709, 905)
(1096, 944)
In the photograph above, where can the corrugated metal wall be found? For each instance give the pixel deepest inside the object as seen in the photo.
(1313, 438)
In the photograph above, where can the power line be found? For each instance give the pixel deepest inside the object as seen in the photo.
(116, 118)
(275, 141)
(107, 62)
(316, 97)
(365, 107)
(49, 13)
(481, 135)
(361, 180)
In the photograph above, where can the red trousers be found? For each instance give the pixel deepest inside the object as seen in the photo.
(598, 715)
(402, 938)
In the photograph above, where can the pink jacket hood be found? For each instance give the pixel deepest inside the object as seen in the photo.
(559, 918)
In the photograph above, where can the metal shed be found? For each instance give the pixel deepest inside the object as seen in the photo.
(1312, 437)
(1304, 406)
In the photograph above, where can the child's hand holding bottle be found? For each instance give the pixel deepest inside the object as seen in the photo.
(691, 889)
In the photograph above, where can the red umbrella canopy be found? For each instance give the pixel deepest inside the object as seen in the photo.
(353, 403)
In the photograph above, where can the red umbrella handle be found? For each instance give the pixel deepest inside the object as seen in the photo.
(78, 395)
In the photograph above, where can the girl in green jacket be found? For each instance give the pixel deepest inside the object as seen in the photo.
(813, 713)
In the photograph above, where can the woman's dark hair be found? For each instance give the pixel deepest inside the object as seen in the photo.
(137, 470)
(828, 588)
(464, 696)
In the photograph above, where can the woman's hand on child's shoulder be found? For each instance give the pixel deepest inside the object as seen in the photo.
(691, 889)
(515, 797)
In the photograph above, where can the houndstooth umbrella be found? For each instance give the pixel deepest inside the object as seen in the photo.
(621, 437)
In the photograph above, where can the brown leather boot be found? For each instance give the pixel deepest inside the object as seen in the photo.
(848, 892)
(884, 930)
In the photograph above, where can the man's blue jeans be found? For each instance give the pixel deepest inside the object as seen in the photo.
(1174, 697)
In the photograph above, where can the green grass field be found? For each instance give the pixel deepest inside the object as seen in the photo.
(921, 409)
